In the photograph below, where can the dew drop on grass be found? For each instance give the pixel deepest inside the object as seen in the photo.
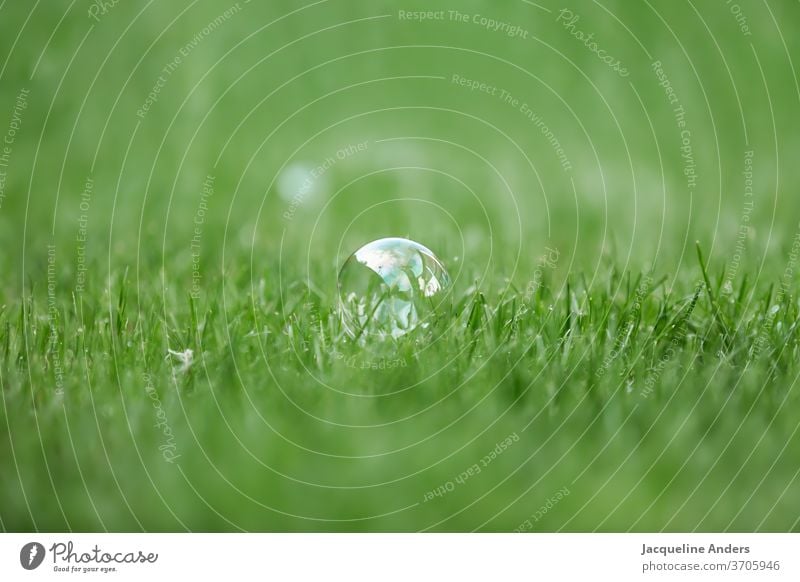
(390, 287)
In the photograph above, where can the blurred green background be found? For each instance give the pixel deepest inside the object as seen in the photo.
(281, 83)
(150, 101)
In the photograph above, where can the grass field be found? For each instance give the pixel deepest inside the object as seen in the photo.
(612, 186)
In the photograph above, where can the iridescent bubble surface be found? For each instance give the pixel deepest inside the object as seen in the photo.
(390, 287)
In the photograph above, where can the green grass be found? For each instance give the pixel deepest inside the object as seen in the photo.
(657, 403)
(597, 369)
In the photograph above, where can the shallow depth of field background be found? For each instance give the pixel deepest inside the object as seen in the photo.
(196, 232)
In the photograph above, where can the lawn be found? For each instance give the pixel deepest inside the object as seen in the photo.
(612, 188)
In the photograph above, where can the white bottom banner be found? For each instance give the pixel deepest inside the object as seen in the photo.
(354, 557)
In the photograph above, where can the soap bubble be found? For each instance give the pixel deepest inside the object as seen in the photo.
(390, 287)
(300, 182)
